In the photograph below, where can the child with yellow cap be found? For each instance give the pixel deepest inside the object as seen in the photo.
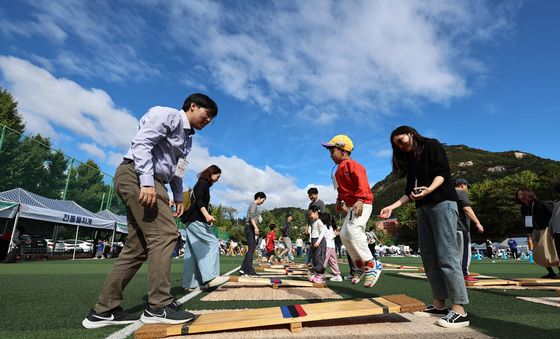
(355, 198)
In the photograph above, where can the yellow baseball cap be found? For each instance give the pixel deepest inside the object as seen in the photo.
(341, 141)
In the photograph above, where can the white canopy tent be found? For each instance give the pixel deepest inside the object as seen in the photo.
(18, 203)
(120, 222)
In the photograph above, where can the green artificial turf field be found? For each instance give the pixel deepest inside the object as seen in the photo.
(49, 299)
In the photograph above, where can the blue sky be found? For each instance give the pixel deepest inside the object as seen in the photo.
(286, 76)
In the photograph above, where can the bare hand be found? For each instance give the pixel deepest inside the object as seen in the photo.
(479, 228)
(316, 245)
(147, 196)
(386, 212)
(180, 209)
(257, 232)
(419, 193)
(344, 207)
(358, 208)
(210, 219)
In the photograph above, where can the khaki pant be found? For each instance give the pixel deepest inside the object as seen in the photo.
(353, 236)
(152, 235)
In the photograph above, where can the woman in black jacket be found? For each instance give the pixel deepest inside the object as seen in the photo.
(202, 252)
(428, 183)
(537, 215)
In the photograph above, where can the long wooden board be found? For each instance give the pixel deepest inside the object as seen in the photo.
(536, 281)
(282, 266)
(276, 281)
(492, 282)
(294, 315)
(286, 271)
(401, 266)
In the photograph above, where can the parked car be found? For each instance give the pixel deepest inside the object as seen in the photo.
(81, 245)
(86, 246)
(33, 244)
(59, 248)
(69, 246)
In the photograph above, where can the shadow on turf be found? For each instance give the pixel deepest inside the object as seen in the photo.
(508, 329)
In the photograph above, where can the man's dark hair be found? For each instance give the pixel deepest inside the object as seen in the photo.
(201, 100)
(260, 195)
(289, 215)
(312, 190)
(272, 226)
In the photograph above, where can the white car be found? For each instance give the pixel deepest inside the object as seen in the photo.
(81, 246)
(58, 248)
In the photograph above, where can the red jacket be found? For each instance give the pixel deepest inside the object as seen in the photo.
(353, 184)
(270, 238)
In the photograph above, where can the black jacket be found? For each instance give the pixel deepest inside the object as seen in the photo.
(431, 163)
(541, 214)
(200, 197)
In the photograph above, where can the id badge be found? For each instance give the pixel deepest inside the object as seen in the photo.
(528, 221)
(181, 167)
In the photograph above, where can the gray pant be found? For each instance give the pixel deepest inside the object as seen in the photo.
(287, 250)
(202, 255)
(437, 227)
(152, 229)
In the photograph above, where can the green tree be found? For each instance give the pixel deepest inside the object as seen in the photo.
(9, 115)
(11, 130)
(86, 185)
(36, 168)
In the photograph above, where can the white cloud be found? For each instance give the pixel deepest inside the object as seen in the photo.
(363, 55)
(89, 115)
(48, 104)
(385, 153)
(240, 181)
(93, 150)
(114, 159)
(327, 51)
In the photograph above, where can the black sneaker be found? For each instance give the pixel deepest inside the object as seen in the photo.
(550, 276)
(113, 317)
(165, 315)
(431, 310)
(175, 305)
(454, 319)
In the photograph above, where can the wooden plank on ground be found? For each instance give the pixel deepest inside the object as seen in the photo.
(276, 281)
(400, 266)
(492, 282)
(286, 271)
(536, 281)
(292, 314)
(283, 266)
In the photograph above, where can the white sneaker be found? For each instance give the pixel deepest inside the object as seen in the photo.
(219, 280)
(336, 278)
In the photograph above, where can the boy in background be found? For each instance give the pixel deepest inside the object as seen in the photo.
(270, 243)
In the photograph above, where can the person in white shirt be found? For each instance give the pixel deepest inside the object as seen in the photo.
(331, 258)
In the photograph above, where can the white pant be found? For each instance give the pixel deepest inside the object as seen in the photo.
(353, 235)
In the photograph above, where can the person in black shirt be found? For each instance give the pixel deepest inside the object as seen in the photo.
(286, 238)
(202, 253)
(537, 216)
(466, 215)
(428, 183)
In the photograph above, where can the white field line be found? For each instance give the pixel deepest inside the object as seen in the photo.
(130, 329)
